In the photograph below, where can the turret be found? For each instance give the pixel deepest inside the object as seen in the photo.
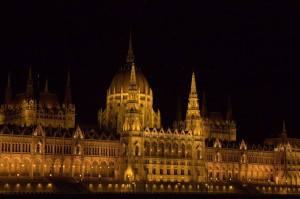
(69, 106)
(193, 117)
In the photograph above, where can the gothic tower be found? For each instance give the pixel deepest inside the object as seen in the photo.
(193, 118)
(194, 126)
(130, 136)
(69, 106)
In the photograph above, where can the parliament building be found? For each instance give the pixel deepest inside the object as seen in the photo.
(40, 140)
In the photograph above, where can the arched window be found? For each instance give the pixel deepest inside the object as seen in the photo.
(183, 150)
(147, 148)
(136, 150)
(38, 148)
(77, 151)
(199, 155)
(217, 157)
(243, 159)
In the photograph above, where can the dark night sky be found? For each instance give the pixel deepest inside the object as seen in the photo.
(250, 49)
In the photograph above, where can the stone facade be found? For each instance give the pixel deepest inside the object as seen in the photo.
(129, 144)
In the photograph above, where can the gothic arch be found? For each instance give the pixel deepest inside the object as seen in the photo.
(189, 150)
(37, 167)
(77, 168)
(25, 171)
(168, 149)
(15, 166)
(137, 150)
(57, 167)
(161, 148)
(4, 167)
(95, 169)
(104, 169)
(147, 148)
(67, 167)
(183, 149)
(87, 168)
(153, 148)
(175, 149)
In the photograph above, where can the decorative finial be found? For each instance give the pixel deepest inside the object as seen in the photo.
(193, 86)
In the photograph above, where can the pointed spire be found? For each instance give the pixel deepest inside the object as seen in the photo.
(8, 95)
(130, 55)
(132, 75)
(284, 132)
(193, 114)
(193, 92)
(229, 110)
(29, 76)
(68, 96)
(29, 90)
(46, 86)
(203, 105)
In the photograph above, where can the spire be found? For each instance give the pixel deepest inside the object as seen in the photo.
(46, 86)
(68, 96)
(229, 110)
(193, 92)
(203, 105)
(132, 76)
(193, 117)
(29, 90)
(29, 76)
(8, 96)
(283, 132)
(130, 56)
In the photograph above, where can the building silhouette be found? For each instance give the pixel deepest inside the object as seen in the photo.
(39, 140)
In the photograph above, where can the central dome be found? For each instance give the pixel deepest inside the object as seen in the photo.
(122, 80)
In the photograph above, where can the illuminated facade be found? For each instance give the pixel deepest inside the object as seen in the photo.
(39, 140)
(26, 109)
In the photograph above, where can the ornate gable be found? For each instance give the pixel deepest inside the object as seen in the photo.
(39, 131)
(78, 133)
